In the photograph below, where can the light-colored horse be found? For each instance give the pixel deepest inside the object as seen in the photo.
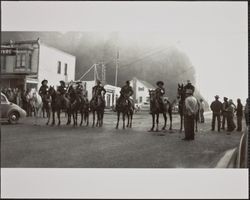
(36, 102)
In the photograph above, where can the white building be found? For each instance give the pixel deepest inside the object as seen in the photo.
(112, 92)
(141, 90)
(24, 64)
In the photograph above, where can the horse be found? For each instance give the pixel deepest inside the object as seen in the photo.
(75, 102)
(59, 103)
(36, 102)
(47, 100)
(127, 109)
(84, 110)
(156, 109)
(97, 105)
(181, 95)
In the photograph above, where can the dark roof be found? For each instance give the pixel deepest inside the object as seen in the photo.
(148, 85)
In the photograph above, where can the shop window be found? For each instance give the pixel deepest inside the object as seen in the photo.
(65, 69)
(59, 67)
(20, 60)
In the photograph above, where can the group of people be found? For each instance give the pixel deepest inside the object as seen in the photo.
(227, 110)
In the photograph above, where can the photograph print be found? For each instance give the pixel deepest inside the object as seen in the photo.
(138, 97)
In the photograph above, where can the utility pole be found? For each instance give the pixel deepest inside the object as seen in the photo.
(103, 73)
(116, 66)
(95, 73)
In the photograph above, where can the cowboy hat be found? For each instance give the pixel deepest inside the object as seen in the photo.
(44, 81)
(62, 82)
(159, 83)
(78, 82)
(217, 96)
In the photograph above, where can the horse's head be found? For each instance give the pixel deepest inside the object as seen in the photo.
(51, 90)
(152, 94)
(180, 91)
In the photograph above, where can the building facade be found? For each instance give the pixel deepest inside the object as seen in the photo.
(24, 64)
(141, 90)
(111, 96)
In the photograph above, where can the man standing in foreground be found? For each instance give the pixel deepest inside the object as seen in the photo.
(216, 107)
(191, 109)
(239, 114)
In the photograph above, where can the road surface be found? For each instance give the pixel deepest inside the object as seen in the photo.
(29, 145)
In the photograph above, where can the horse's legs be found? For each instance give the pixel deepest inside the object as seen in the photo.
(93, 112)
(53, 117)
(128, 119)
(58, 116)
(76, 113)
(118, 119)
(123, 119)
(181, 115)
(165, 121)
(157, 122)
(131, 118)
(87, 117)
(97, 118)
(81, 111)
(153, 121)
(48, 115)
(170, 118)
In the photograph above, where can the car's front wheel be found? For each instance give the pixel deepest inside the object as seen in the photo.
(13, 117)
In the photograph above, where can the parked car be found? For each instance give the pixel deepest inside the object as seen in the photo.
(9, 111)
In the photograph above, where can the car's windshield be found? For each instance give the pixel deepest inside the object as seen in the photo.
(3, 99)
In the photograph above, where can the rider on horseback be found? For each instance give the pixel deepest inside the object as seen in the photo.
(159, 93)
(189, 86)
(43, 89)
(97, 91)
(62, 91)
(126, 92)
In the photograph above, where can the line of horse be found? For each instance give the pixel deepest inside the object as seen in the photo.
(73, 104)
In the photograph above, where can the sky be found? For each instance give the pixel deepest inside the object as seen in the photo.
(214, 35)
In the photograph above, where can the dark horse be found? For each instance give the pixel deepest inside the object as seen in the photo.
(84, 110)
(127, 109)
(58, 103)
(181, 95)
(97, 105)
(156, 109)
(75, 103)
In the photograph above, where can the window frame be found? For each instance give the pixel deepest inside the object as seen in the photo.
(19, 62)
(59, 66)
(65, 69)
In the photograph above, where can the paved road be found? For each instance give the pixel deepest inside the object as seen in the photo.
(29, 145)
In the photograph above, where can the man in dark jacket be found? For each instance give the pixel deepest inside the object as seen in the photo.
(216, 107)
(43, 89)
(224, 112)
(97, 91)
(159, 93)
(189, 86)
(239, 114)
(127, 92)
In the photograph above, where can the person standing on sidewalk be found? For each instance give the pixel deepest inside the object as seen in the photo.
(246, 111)
(224, 112)
(231, 109)
(191, 109)
(239, 114)
(202, 109)
(216, 107)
